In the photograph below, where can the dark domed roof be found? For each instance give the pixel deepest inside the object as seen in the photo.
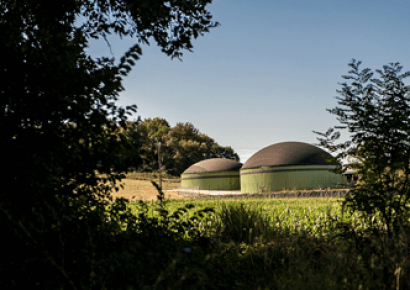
(288, 153)
(213, 165)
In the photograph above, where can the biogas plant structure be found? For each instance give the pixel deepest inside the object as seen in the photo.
(278, 167)
(289, 166)
(212, 174)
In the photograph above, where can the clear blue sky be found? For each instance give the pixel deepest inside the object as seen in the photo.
(268, 73)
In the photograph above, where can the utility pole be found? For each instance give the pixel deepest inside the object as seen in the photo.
(159, 165)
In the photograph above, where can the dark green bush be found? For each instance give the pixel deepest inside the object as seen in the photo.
(97, 246)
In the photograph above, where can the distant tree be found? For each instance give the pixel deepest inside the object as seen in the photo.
(190, 146)
(182, 146)
(186, 142)
(224, 152)
(152, 131)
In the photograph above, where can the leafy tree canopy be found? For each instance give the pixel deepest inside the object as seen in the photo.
(49, 80)
(376, 112)
(51, 205)
(183, 145)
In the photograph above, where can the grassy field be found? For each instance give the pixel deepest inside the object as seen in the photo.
(139, 186)
(259, 214)
(247, 243)
(144, 190)
(264, 243)
(267, 243)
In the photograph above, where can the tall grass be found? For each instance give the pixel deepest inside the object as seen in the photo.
(295, 244)
(263, 243)
(240, 223)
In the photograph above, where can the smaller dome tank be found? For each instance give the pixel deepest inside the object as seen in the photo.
(212, 174)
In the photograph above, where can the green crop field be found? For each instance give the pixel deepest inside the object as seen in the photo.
(257, 242)
(275, 242)
(290, 214)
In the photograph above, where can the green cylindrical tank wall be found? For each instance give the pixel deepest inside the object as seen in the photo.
(227, 180)
(344, 180)
(278, 178)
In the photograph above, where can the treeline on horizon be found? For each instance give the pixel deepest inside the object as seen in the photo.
(181, 146)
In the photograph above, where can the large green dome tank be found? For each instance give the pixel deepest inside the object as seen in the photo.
(289, 166)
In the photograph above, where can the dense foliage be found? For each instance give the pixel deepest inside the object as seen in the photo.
(264, 243)
(53, 217)
(58, 230)
(377, 113)
(181, 146)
